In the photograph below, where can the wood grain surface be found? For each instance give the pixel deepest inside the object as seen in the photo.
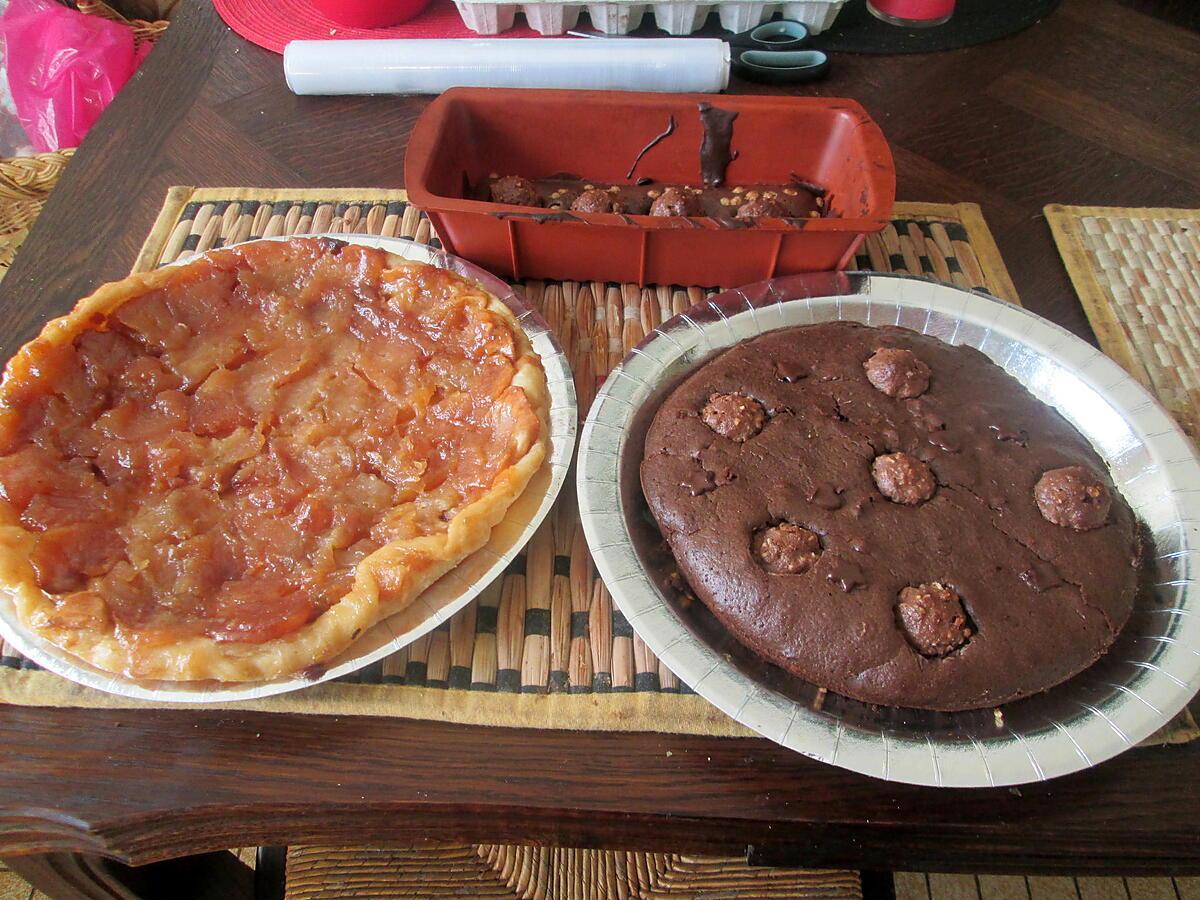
(1093, 106)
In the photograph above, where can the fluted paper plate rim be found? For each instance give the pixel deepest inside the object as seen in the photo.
(1148, 676)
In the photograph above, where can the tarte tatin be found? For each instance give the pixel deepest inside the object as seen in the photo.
(231, 469)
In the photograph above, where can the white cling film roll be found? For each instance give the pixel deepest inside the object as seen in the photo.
(695, 65)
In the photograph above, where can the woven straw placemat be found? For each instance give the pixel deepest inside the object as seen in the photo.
(543, 646)
(509, 871)
(1137, 273)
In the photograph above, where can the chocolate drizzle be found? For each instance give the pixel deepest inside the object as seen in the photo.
(666, 133)
(815, 189)
(944, 440)
(1008, 433)
(538, 217)
(715, 155)
(790, 372)
(846, 575)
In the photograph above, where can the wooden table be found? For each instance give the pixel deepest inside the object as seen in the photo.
(1094, 106)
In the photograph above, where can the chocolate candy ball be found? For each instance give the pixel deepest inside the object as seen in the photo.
(597, 201)
(762, 208)
(734, 416)
(898, 373)
(903, 478)
(513, 190)
(1073, 497)
(933, 619)
(675, 202)
(786, 548)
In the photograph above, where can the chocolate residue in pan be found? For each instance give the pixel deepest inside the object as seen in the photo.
(815, 189)
(715, 155)
(538, 217)
(556, 195)
(666, 133)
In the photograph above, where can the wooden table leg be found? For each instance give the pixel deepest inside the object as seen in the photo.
(79, 876)
(270, 873)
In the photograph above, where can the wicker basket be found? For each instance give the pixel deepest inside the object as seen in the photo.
(25, 183)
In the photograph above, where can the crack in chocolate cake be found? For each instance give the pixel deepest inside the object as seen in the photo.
(891, 517)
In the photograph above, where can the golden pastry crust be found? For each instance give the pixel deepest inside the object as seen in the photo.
(385, 581)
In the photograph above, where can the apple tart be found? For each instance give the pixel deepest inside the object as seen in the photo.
(231, 469)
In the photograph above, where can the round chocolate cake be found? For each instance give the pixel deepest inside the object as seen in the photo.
(891, 517)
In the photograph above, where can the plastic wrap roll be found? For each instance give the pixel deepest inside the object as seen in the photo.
(695, 65)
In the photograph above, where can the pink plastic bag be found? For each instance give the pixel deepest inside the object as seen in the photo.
(63, 68)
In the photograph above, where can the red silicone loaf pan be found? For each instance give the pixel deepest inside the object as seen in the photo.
(468, 134)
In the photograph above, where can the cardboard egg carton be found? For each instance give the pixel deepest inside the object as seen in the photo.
(621, 17)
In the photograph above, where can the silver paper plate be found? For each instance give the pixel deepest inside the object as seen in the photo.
(1150, 673)
(440, 601)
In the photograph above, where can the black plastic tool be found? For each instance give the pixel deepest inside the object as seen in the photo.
(775, 53)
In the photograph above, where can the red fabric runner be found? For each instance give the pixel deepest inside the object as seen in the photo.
(272, 23)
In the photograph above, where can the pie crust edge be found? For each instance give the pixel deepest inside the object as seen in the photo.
(386, 581)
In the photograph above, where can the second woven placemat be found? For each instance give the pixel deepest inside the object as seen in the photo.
(543, 646)
(1137, 273)
(508, 872)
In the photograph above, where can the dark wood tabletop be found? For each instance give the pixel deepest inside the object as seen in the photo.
(1096, 105)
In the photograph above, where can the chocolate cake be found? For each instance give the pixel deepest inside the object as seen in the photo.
(891, 517)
